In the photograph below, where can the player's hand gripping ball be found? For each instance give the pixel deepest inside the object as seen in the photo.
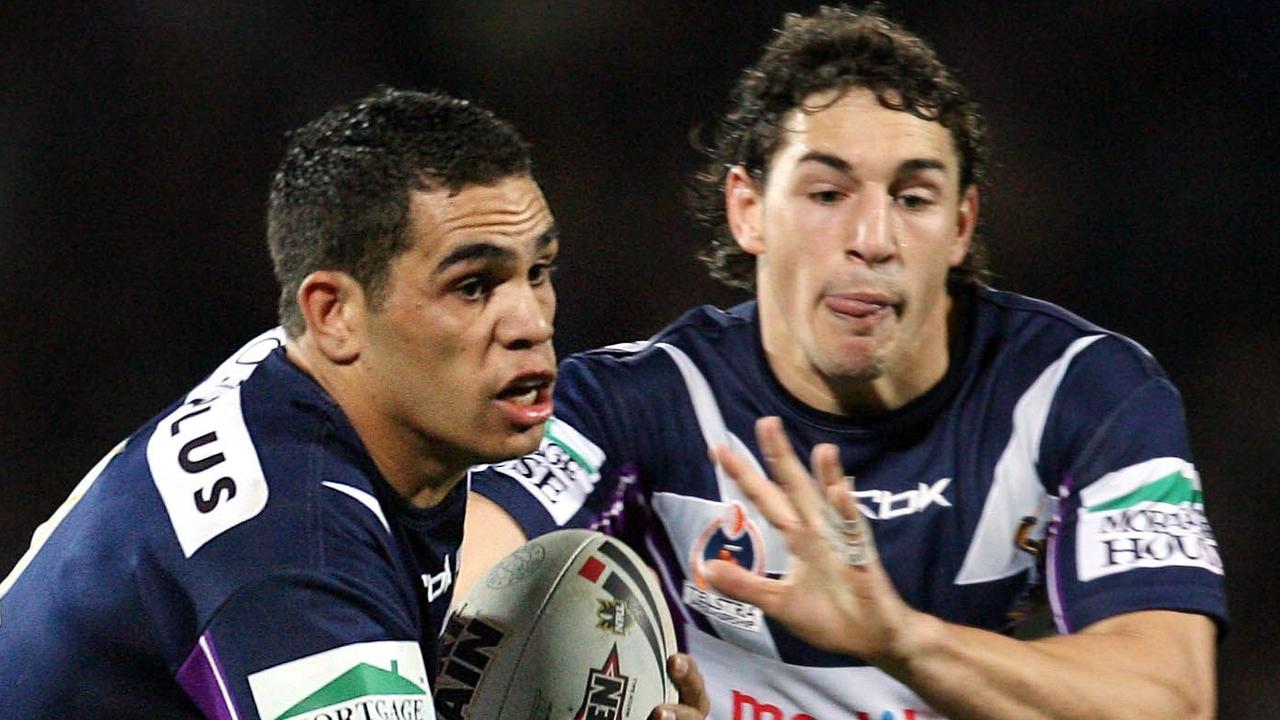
(571, 626)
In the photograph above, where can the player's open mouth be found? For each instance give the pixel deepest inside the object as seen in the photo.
(527, 399)
(527, 390)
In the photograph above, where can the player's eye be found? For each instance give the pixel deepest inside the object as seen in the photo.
(474, 287)
(541, 272)
(915, 201)
(826, 197)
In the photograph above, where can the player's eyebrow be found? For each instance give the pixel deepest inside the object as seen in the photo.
(834, 162)
(905, 168)
(479, 250)
(919, 165)
(489, 251)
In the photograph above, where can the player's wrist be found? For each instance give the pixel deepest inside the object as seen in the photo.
(913, 638)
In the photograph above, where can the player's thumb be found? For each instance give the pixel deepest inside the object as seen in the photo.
(734, 581)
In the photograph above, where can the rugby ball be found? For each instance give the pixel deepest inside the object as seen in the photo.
(571, 626)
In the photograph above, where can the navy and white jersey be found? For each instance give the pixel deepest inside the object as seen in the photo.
(239, 557)
(1051, 458)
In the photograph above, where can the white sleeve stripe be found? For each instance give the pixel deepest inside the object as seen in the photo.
(363, 498)
(1016, 491)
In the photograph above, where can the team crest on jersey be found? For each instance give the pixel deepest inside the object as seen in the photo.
(1144, 516)
(732, 537)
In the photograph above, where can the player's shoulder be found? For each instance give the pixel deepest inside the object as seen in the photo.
(259, 455)
(1022, 313)
(706, 334)
(1034, 328)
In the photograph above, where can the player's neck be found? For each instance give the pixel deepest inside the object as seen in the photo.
(907, 372)
(420, 469)
(412, 465)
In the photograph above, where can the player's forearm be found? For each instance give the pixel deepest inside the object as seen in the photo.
(489, 534)
(968, 673)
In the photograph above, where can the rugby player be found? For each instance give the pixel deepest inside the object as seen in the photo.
(1004, 454)
(282, 541)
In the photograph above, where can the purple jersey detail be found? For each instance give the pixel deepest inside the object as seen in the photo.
(612, 520)
(202, 678)
(1053, 561)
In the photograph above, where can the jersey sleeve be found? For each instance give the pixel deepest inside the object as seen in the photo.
(294, 644)
(1131, 530)
(578, 477)
(334, 636)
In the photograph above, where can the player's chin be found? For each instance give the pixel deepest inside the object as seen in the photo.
(528, 439)
(514, 441)
(857, 357)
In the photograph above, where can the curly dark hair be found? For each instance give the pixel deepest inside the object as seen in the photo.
(340, 197)
(833, 48)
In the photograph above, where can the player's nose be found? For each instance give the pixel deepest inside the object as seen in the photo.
(870, 236)
(528, 318)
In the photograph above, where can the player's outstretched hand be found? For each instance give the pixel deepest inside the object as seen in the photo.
(694, 703)
(836, 594)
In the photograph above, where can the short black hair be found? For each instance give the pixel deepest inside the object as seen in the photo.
(834, 48)
(340, 197)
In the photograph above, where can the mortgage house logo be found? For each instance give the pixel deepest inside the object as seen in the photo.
(372, 681)
(1146, 515)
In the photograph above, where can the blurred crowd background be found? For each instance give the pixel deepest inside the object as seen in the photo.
(1135, 149)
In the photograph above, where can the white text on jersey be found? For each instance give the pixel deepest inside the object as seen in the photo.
(884, 505)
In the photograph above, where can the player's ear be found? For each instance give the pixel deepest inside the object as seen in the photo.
(333, 306)
(742, 205)
(966, 223)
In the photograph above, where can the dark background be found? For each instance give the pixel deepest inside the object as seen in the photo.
(1136, 153)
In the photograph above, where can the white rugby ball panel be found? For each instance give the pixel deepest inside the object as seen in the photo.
(571, 625)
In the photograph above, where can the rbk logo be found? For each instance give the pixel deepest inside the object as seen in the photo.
(884, 505)
(438, 583)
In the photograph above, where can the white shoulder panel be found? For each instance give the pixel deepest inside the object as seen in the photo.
(688, 519)
(1016, 491)
(362, 497)
(207, 471)
(201, 457)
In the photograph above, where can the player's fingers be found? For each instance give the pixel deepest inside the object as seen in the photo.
(790, 473)
(842, 499)
(694, 701)
(854, 532)
(739, 583)
(837, 488)
(825, 461)
(766, 496)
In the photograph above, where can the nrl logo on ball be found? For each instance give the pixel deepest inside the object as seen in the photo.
(614, 616)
